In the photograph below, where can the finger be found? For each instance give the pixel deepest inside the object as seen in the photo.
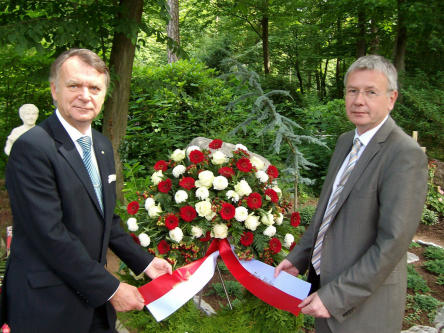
(306, 301)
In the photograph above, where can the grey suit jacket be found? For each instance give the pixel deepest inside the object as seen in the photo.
(363, 267)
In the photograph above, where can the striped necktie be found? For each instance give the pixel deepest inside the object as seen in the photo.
(316, 258)
(85, 143)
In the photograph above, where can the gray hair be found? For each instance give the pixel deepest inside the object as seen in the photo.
(378, 63)
(87, 56)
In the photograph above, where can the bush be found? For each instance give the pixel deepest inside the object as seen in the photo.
(170, 105)
(429, 217)
(435, 266)
(415, 281)
(434, 252)
(307, 213)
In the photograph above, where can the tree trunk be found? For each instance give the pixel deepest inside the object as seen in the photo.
(121, 64)
(339, 81)
(264, 24)
(360, 41)
(173, 30)
(298, 73)
(374, 46)
(401, 39)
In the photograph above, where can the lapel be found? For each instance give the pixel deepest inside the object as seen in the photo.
(374, 146)
(101, 156)
(68, 150)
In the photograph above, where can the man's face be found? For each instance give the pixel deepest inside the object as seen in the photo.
(79, 92)
(367, 99)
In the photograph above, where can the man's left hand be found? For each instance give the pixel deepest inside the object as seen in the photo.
(313, 306)
(158, 267)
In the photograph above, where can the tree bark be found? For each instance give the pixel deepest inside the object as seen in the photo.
(265, 50)
(360, 42)
(115, 114)
(298, 73)
(173, 29)
(401, 39)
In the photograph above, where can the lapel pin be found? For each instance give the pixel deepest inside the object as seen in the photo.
(103, 153)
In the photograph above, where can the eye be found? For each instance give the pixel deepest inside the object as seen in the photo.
(370, 92)
(352, 91)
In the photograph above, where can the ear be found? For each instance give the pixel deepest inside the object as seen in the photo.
(53, 91)
(392, 99)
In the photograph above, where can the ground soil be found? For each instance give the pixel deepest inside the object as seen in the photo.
(433, 234)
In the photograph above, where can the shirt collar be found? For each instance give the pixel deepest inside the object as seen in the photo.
(368, 135)
(73, 132)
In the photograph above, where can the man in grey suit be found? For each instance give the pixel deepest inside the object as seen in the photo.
(368, 211)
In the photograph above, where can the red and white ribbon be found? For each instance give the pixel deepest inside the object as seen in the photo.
(166, 294)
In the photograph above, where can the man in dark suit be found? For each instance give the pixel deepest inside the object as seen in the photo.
(368, 211)
(62, 196)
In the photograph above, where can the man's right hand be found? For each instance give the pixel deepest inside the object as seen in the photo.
(127, 298)
(286, 266)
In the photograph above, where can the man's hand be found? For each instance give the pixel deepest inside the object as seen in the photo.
(158, 267)
(286, 266)
(127, 298)
(313, 306)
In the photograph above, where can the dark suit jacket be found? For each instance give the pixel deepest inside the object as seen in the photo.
(363, 266)
(56, 275)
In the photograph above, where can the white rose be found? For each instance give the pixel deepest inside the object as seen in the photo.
(154, 210)
(242, 188)
(196, 232)
(262, 176)
(279, 219)
(180, 196)
(149, 202)
(178, 155)
(257, 162)
(288, 240)
(144, 239)
(219, 158)
(252, 222)
(270, 231)
(220, 231)
(206, 178)
(202, 193)
(156, 177)
(176, 234)
(220, 183)
(132, 224)
(278, 191)
(191, 148)
(210, 216)
(241, 214)
(203, 208)
(233, 196)
(268, 218)
(179, 170)
(240, 146)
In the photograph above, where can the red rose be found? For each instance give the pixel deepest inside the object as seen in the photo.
(132, 208)
(161, 165)
(215, 144)
(295, 219)
(187, 183)
(188, 213)
(247, 238)
(226, 172)
(292, 245)
(206, 238)
(164, 186)
(135, 238)
(171, 221)
(275, 245)
(163, 247)
(228, 211)
(196, 156)
(272, 195)
(272, 171)
(244, 164)
(254, 200)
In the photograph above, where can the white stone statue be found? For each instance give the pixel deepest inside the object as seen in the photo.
(28, 114)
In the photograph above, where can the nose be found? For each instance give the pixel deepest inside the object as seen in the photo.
(359, 98)
(84, 93)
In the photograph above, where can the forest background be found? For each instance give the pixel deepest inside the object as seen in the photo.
(188, 68)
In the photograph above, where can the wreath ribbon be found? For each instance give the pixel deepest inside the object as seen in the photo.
(168, 293)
